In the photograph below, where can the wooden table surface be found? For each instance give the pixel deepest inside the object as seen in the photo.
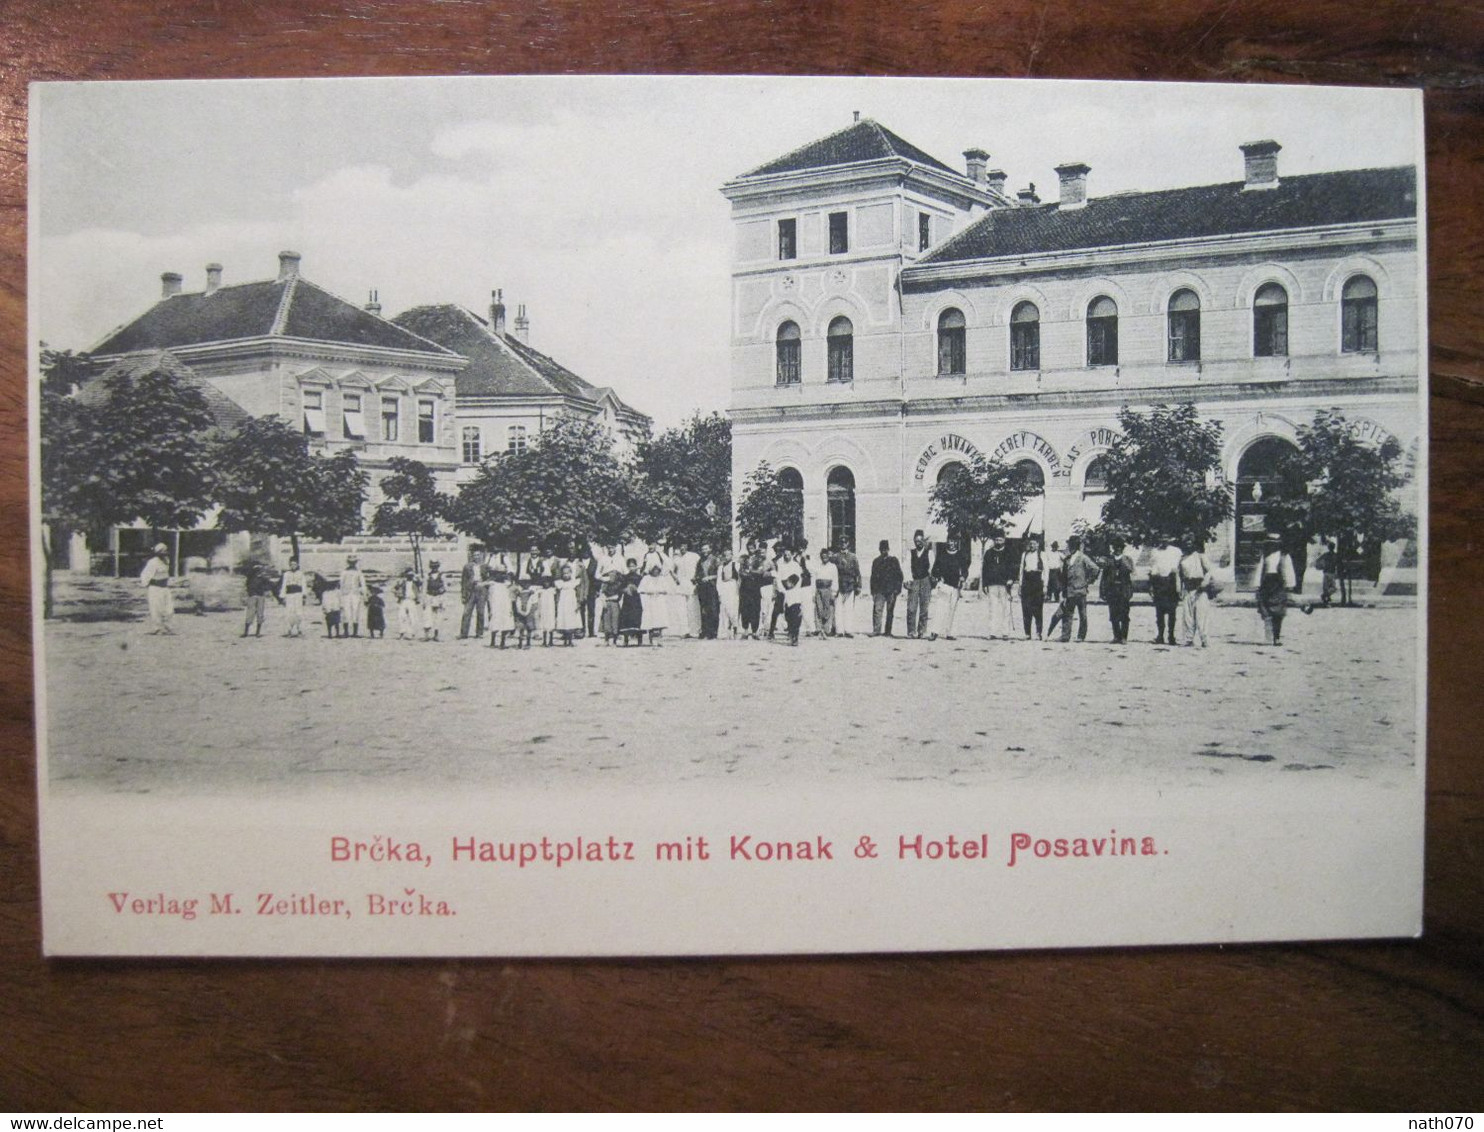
(1397, 1026)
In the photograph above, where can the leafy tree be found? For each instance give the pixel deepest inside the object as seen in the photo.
(270, 483)
(767, 509)
(131, 446)
(685, 482)
(62, 371)
(414, 506)
(1352, 489)
(567, 488)
(975, 502)
(1163, 477)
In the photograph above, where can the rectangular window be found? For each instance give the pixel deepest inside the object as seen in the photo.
(471, 444)
(788, 362)
(1102, 341)
(1270, 332)
(515, 439)
(1358, 328)
(839, 233)
(314, 412)
(1185, 336)
(842, 360)
(391, 418)
(355, 423)
(1025, 345)
(425, 429)
(788, 239)
(924, 231)
(952, 357)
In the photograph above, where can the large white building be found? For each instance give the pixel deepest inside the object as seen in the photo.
(892, 317)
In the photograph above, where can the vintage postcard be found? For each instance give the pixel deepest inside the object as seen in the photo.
(633, 516)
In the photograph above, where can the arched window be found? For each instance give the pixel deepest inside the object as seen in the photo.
(842, 351)
(1102, 332)
(1270, 322)
(788, 354)
(952, 356)
(792, 483)
(840, 494)
(1358, 316)
(949, 472)
(1025, 337)
(1096, 477)
(1185, 326)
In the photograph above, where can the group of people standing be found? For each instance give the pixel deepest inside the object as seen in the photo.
(623, 598)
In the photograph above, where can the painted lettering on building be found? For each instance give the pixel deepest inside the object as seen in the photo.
(1026, 441)
(948, 442)
(1090, 441)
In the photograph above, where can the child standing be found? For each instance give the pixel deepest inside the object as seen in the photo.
(524, 607)
(406, 592)
(568, 605)
(375, 613)
(329, 603)
(291, 593)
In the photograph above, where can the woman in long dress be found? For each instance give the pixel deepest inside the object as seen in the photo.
(568, 607)
(657, 593)
(502, 616)
(729, 593)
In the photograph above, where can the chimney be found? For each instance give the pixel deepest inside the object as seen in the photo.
(522, 323)
(976, 161)
(996, 179)
(213, 277)
(170, 282)
(1073, 185)
(1262, 164)
(1027, 196)
(373, 305)
(497, 312)
(288, 266)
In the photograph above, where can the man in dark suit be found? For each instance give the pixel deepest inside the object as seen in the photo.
(886, 585)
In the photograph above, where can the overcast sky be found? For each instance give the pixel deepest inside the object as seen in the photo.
(592, 201)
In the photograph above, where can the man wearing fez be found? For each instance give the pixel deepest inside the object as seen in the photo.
(886, 586)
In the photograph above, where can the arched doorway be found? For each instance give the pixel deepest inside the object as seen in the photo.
(792, 482)
(1094, 491)
(840, 497)
(1031, 519)
(1265, 481)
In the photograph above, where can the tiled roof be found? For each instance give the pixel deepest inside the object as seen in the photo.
(864, 141)
(497, 366)
(294, 308)
(225, 412)
(1350, 197)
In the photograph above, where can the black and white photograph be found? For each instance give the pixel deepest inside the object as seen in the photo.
(626, 516)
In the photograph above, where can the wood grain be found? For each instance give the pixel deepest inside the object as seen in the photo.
(1384, 1026)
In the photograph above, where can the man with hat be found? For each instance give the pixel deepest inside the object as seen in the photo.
(352, 596)
(1275, 578)
(435, 590)
(155, 578)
